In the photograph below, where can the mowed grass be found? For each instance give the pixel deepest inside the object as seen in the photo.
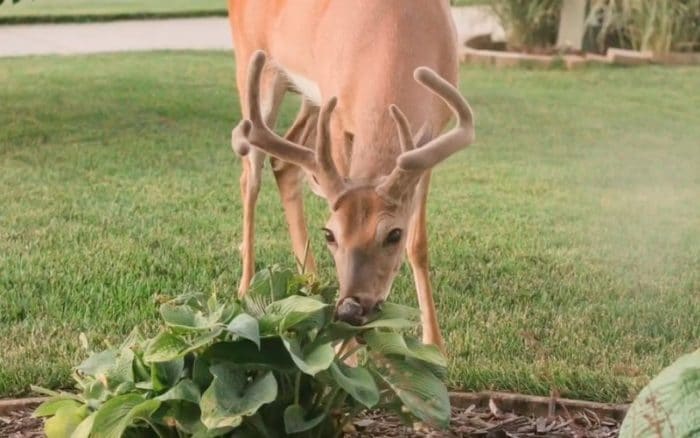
(80, 10)
(565, 243)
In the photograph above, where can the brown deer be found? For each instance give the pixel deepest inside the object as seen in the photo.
(367, 70)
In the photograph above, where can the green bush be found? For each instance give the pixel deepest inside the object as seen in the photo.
(262, 367)
(530, 25)
(657, 25)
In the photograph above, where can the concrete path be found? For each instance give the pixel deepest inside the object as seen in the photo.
(171, 34)
(115, 36)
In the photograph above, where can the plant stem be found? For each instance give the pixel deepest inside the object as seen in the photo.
(153, 426)
(297, 386)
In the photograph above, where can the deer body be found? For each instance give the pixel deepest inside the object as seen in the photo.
(365, 54)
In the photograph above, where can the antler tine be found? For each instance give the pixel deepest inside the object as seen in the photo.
(319, 163)
(394, 185)
(411, 164)
(447, 144)
(330, 179)
(259, 134)
(403, 128)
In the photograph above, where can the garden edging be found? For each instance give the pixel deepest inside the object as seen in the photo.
(520, 403)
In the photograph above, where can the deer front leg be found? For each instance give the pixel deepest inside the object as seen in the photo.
(289, 179)
(289, 182)
(250, 188)
(273, 87)
(417, 252)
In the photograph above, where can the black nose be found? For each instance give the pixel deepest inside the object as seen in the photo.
(350, 310)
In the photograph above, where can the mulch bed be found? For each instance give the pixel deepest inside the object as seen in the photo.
(466, 422)
(20, 424)
(491, 423)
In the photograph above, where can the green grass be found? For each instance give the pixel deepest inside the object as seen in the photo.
(565, 242)
(468, 2)
(28, 11)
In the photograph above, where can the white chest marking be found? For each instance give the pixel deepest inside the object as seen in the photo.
(305, 86)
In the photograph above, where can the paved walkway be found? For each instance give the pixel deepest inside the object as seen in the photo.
(115, 36)
(171, 34)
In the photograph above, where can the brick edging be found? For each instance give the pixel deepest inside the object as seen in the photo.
(16, 404)
(522, 404)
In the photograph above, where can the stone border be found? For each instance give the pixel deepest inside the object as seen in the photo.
(613, 57)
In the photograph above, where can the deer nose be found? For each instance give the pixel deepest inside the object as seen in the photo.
(350, 310)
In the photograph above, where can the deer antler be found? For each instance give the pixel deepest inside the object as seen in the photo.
(411, 164)
(319, 163)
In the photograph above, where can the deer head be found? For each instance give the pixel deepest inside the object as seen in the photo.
(369, 220)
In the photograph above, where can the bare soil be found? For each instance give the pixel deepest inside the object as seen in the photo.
(469, 422)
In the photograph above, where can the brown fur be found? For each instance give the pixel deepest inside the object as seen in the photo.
(365, 53)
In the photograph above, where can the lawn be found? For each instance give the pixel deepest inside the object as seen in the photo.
(90, 10)
(565, 242)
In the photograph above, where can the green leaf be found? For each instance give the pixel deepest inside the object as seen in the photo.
(398, 311)
(200, 373)
(183, 415)
(358, 382)
(184, 390)
(203, 339)
(669, 405)
(312, 361)
(423, 394)
(386, 343)
(232, 396)
(98, 363)
(65, 420)
(133, 339)
(85, 427)
(123, 388)
(123, 369)
(296, 309)
(166, 374)
(295, 419)
(272, 355)
(246, 327)
(392, 316)
(96, 391)
(271, 283)
(184, 317)
(165, 347)
(118, 413)
(141, 371)
(50, 406)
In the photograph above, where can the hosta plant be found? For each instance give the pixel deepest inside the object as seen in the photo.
(265, 366)
(669, 405)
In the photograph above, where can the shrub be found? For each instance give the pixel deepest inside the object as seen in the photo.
(657, 25)
(264, 366)
(531, 25)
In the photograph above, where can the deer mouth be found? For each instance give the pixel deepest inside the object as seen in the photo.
(351, 311)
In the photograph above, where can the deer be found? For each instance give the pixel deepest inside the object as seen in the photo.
(368, 72)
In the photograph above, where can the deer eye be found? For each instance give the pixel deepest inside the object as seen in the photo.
(393, 237)
(328, 234)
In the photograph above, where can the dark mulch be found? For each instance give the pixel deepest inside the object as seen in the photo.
(469, 422)
(20, 424)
